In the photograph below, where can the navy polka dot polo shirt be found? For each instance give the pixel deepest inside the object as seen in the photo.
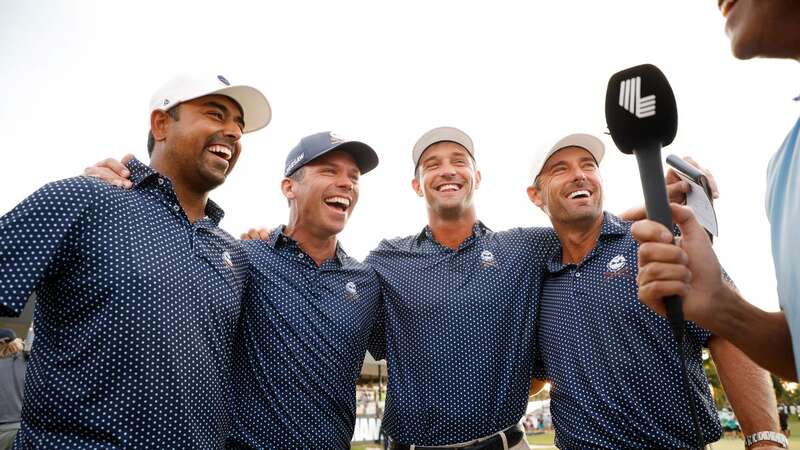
(613, 364)
(135, 318)
(459, 329)
(303, 339)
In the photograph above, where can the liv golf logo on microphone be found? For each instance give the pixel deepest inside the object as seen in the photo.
(630, 98)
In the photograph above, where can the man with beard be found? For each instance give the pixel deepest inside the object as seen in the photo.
(766, 28)
(615, 373)
(308, 309)
(138, 290)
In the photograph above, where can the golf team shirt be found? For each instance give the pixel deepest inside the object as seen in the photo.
(135, 316)
(303, 339)
(613, 364)
(459, 331)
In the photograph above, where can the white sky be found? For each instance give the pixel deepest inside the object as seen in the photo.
(77, 77)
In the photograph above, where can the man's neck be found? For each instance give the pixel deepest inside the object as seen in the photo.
(452, 231)
(319, 247)
(577, 239)
(192, 202)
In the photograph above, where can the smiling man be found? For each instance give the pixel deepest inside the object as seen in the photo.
(138, 290)
(615, 374)
(460, 305)
(308, 309)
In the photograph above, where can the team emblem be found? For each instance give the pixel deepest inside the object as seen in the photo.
(487, 259)
(350, 291)
(226, 259)
(617, 263)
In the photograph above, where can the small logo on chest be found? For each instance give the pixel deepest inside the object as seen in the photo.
(227, 261)
(350, 291)
(488, 259)
(617, 267)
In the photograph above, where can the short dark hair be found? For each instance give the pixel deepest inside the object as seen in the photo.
(151, 141)
(297, 176)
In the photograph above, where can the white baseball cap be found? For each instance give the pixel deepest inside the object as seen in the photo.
(183, 88)
(585, 141)
(439, 135)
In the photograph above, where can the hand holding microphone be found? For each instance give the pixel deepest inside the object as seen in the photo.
(689, 269)
(642, 118)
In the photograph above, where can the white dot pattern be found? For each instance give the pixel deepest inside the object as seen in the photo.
(303, 338)
(459, 331)
(612, 362)
(135, 317)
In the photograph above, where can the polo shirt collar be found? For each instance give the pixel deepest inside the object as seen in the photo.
(143, 175)
(612, 226)
(278, 239)
(478, 230)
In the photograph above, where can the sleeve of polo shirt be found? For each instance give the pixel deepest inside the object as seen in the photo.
(696, 332)
(377, 338)
(35, 238)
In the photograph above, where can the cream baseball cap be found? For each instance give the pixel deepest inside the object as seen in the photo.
(441, 134)
(586, 141)
(182, 88)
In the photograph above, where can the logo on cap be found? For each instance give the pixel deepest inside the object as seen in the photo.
(295, 162)
(223, 80)
(487, 259)
(226, 260)
(335, 139)
(166, 101)
(350, 291)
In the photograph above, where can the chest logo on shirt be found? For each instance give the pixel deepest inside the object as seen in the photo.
(350, 291)
(226, 260)
(617, 267)
(617, 263)
(487, 259)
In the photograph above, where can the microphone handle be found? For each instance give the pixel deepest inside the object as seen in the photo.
(656, 203)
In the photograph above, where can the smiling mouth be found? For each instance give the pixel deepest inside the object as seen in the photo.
(725, 6)
(583, 193)
(221, 151)
(338, 202)
(449, 187)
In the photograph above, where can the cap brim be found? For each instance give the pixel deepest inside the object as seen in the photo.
(365, 157)
(255, 106)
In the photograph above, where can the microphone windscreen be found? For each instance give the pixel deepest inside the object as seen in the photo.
(640, 108)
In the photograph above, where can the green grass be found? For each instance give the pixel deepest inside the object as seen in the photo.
(729, 443)
(722, 444)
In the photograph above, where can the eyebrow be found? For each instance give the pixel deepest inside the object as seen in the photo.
(226, 111)
(429, 159)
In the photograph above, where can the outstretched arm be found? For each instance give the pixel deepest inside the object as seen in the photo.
(749, 389)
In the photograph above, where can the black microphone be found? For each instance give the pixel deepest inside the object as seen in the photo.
(642, 117)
